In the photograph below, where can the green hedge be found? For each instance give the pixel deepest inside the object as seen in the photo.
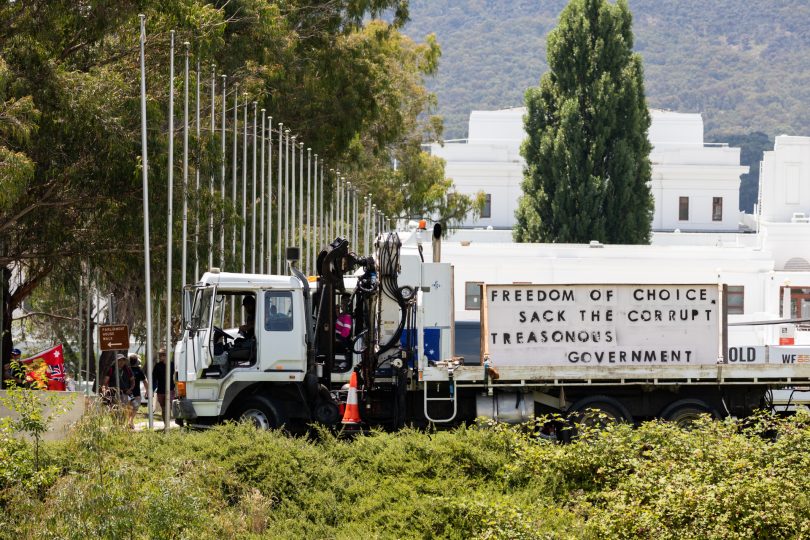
(718, 480)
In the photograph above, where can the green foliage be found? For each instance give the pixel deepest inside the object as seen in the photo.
(742, 63)
(351, 87)
(726, 479)
(17, 123)
(34, 411)
(417, 187)
(587, 153)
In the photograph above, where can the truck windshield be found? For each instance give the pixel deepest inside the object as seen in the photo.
(201, 313)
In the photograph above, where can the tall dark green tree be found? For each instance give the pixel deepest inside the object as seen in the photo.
(587, 153)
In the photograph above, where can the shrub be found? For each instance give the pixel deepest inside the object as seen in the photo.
(718, 480)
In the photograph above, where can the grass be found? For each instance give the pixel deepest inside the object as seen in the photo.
(718, 480)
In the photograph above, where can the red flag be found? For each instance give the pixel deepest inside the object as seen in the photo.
(54, 367)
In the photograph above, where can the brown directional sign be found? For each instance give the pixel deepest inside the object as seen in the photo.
(114, 337)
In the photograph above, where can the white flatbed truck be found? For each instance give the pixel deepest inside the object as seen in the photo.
(290, 367)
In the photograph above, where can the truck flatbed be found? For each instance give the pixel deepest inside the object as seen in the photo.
(757, 374)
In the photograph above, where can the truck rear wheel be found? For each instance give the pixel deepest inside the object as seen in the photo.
(684, 412)
(595, 411)
(260, 411)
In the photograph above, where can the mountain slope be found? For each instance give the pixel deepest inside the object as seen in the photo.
(742, 63)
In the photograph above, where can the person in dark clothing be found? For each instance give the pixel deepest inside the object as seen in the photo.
(118, 387)
(140, 376)
(12, 371)
(135, 396)
(248, 329)
(159, 385)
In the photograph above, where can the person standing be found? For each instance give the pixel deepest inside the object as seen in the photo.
(12, 371)
(159, 383)
(118, 387)
(140, 377)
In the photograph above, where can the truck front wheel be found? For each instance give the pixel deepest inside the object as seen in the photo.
(260, 411)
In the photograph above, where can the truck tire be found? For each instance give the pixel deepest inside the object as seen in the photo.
(684, 412)
(595, 411)
(260, 411)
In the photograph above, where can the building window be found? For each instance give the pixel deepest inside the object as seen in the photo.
(735, 297)
(472, 295)
(486, 212)
(799, 303)
(683, 209)
(717, 208)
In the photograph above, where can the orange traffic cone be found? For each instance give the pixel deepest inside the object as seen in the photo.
(351, 415)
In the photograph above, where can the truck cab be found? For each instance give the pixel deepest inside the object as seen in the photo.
(268, 348)
(242, 331)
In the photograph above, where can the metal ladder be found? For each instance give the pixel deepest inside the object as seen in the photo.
(453, 397)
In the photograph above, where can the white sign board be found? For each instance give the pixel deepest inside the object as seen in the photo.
(794, 354)
(589, 325)
(747, 354)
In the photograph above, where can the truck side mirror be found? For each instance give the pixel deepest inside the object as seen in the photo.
(293, 254)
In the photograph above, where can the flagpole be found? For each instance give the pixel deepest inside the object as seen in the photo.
(291, 191)
(353, 216)
(169, 221)
(222, 176)
(352, 212)
(286, 196)
(347, 212)
(349, 230)
(336, 224)
(293, 194)
(147, 272)
(79, 336)
(271, 200)
(211, 186)
(244, 182)
(368, 225)
(332, 210)
(233, 191)
(253, 199)
(262, 178)
(301, 199)
(356, 216)
(347, 186)
(320, 214)
(308, 258)
(196, 185)
(279, 195)
(184, 251)
(314, 234)
(373, 218)
(89, 334)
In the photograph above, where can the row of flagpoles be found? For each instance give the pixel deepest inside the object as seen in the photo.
(305, 215)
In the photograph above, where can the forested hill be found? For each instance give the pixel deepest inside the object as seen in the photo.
(745, 64)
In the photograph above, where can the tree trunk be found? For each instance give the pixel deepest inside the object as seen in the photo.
(5, 344)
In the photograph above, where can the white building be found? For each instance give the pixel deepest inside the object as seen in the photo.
(695, 185)
(489, 162)
(784, 203)
(766, 268)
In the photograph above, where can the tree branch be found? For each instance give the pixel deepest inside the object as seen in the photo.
(44, 314)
